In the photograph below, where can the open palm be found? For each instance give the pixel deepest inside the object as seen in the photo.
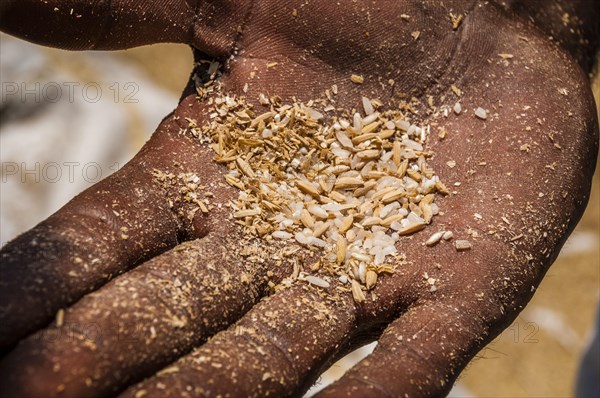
(160, 303)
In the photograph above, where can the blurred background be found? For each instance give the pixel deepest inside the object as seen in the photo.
(69, 119)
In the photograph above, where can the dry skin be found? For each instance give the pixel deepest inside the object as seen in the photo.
(346, 182)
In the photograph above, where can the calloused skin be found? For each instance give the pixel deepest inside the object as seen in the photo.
(178, 308)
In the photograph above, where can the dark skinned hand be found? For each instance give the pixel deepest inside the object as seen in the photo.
(157, 305)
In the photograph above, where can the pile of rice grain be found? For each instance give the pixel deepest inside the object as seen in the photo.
(351, 185)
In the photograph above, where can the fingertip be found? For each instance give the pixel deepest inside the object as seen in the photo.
(419, 354)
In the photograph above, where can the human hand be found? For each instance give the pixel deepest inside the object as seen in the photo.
(171, 302)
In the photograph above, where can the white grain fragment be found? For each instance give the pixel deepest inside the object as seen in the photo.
(314, 114)
(302, 238)
(367, 106)
(370, 119)
(447, 235)
(462, 245)
(361, 257)
(317, 211)
(362, 272)
(357, 125)
(315, 280)
(317, 242)
(481, 113)
(403, 124)
(281, 235)
(457, 108)
(435, 238)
